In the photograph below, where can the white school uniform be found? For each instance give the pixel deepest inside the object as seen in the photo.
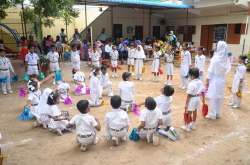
(95, 91)
(131, 56)
(62, 89)
(80, 77)
(185, 64)
(200, 64)
(169, 65)
(117, 123)
(139, 55)
(105, 83)
(34, 98)
(114, 56)
(95, 58)
(85, 125)
(5, 67)
(75, 59)
(163, 103)
(53, 112)
(53, 58)
(127, 91)
(194, 88)
(156, 62)
(43, 107)
(32, 63)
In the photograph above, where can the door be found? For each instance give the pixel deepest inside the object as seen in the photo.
(138, 32)
(156, 31)
(117, 30)
(207, 37)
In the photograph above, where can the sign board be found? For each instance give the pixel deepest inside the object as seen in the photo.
(220, 32)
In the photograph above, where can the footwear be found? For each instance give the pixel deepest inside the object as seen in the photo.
(166, 83)
(44, 125)
(137, 78)
(170, 135)
(54, 82)
(155, 80)
(59, 132)
(35, 124)
(129, 108)
(141, 79)
(5, 93)
(218, 116)
(133, 73)
(186, 128)
(113, 75)
(111, 94)
(156, 138)
(122, 62)
(95, 141)
(124, 138)
(149, 137)
(180, 86)
(183, 87)
(176, 134)
(210, 117)
(235, 106)
(10, 91)
(116, 75)
(192, 126)
(83, 147)
(115, 141)
(170, 83)
(231, 104)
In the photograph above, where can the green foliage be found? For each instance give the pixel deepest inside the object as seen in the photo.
(248, 57)
(5, 4)
(68, 15)
(43, 60)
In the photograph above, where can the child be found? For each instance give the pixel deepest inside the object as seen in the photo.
(117, 121)
(75, 55)
(239, 82)
(185, 66)
(131, 55)
(86, 125)
(66, 51)
(31, 63)
(24, 49)
(63, 90)
(139, 56)
(178, 44)
(95, 58)
(104, 79)
(79, 80)
(169, 67)
(114, 57)
(127, 90)
(89, 51)
(211, 53)
(200, 60)
(53, 61)
(58, 122)
(193, 99)
(5, 65)
(150, 118)
(95, 88)
(156, 62)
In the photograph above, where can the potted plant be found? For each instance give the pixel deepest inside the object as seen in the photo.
(43, 63)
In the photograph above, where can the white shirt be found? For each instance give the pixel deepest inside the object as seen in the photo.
(117, 119)
(104, 78)
(157, 54)
(240, 72)
(114, 54)
(95, 56)
(5, 64)
(151, 117)
(131, 53)
(85, 124)
(108, 48)
(34, 97)
(79, 76)
(178, 44)
(75, 56)
(200, 62)
(53, 56)
(195, 87)
(32, 58)
(127, 90)
(95, 86)
(185, 62)
(170, 58)
(54, 111)
(63, 88)
(164, 102)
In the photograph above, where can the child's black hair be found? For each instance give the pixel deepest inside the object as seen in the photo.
(52, 46)
(211, 52)
(32, 85)
(73, 71)
(201, 48)
(23, 38)
(113, 46)
(1, 41)
(168, 90)
(192, 43)
(82, 106)
(95, 69)
(150, 103)
(103, 67)
(243, 57)
(48, 36)
(125, 75)
(158, 47)
(194, 72)
(94, 47)
(186, 44)
(31, 46)
(52, 98)
(1, 50)
(116, 101)
(73, 45)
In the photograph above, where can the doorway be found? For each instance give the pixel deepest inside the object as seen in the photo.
(138, 32)
(117, 30)
(207, 37)
(156, 31)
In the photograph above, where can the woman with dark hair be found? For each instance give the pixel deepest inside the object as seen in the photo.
(48, 42)
(38, 50)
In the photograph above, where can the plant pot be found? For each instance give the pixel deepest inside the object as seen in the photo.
(45, 71)
(106, 62)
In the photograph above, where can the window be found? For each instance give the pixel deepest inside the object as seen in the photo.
(237, 29)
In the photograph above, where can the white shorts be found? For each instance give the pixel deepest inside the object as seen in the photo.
(114, 63)
(32, 70)
(167, 120)
(95, 63)
(54, 66)
(194, 103)
(75, 65)
(131, 61)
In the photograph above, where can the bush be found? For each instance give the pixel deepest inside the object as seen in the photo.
(248, 57)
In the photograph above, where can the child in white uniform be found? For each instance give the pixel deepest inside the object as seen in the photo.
(116, 121)
(156, 63)
(95, 88)
(185, 65)
(53, 60)
(239, 82)
(95, 57)
(75, 55)
(114, 57)
(200, 60)
(5, 67)
(193, 99)
(150, 118)
(169, 67)
(63, 90)
(127, 91)
(139, 57)
(31, 63)
(104, 79)
(79, 80)
(86, 125)
(131, 57)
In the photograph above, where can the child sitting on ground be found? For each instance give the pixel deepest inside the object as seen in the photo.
(104, 79)
(116, 121)
(63, 90)
(79, 80)
(95, 88)
(193, 99)
(86, 125)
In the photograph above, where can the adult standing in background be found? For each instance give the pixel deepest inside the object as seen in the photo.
(62, 34)
(102, 36)
(77, 36)
(172, 39)
(38, 50)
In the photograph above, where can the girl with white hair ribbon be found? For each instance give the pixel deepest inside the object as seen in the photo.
(139, 56)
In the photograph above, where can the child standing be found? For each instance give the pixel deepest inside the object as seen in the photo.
(31, 63)
(95, 58)
(211, 53)
(169, 67)
(104, 79)
(79, 80)
(116, 121)
(150, 118)
(95, 88)
(131, 59)
(127, 91)
(75, 55)
(193, 99)
(53, 61)
(239, 82)
(24, 49)
(139, 56)
(114, 57)
(156, 62)
(185, 66)
(5, 67)
(86, 125)
(200, 60)
(63, 90)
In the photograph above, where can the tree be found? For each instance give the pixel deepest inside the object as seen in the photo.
(67, 17)
(5, 4)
